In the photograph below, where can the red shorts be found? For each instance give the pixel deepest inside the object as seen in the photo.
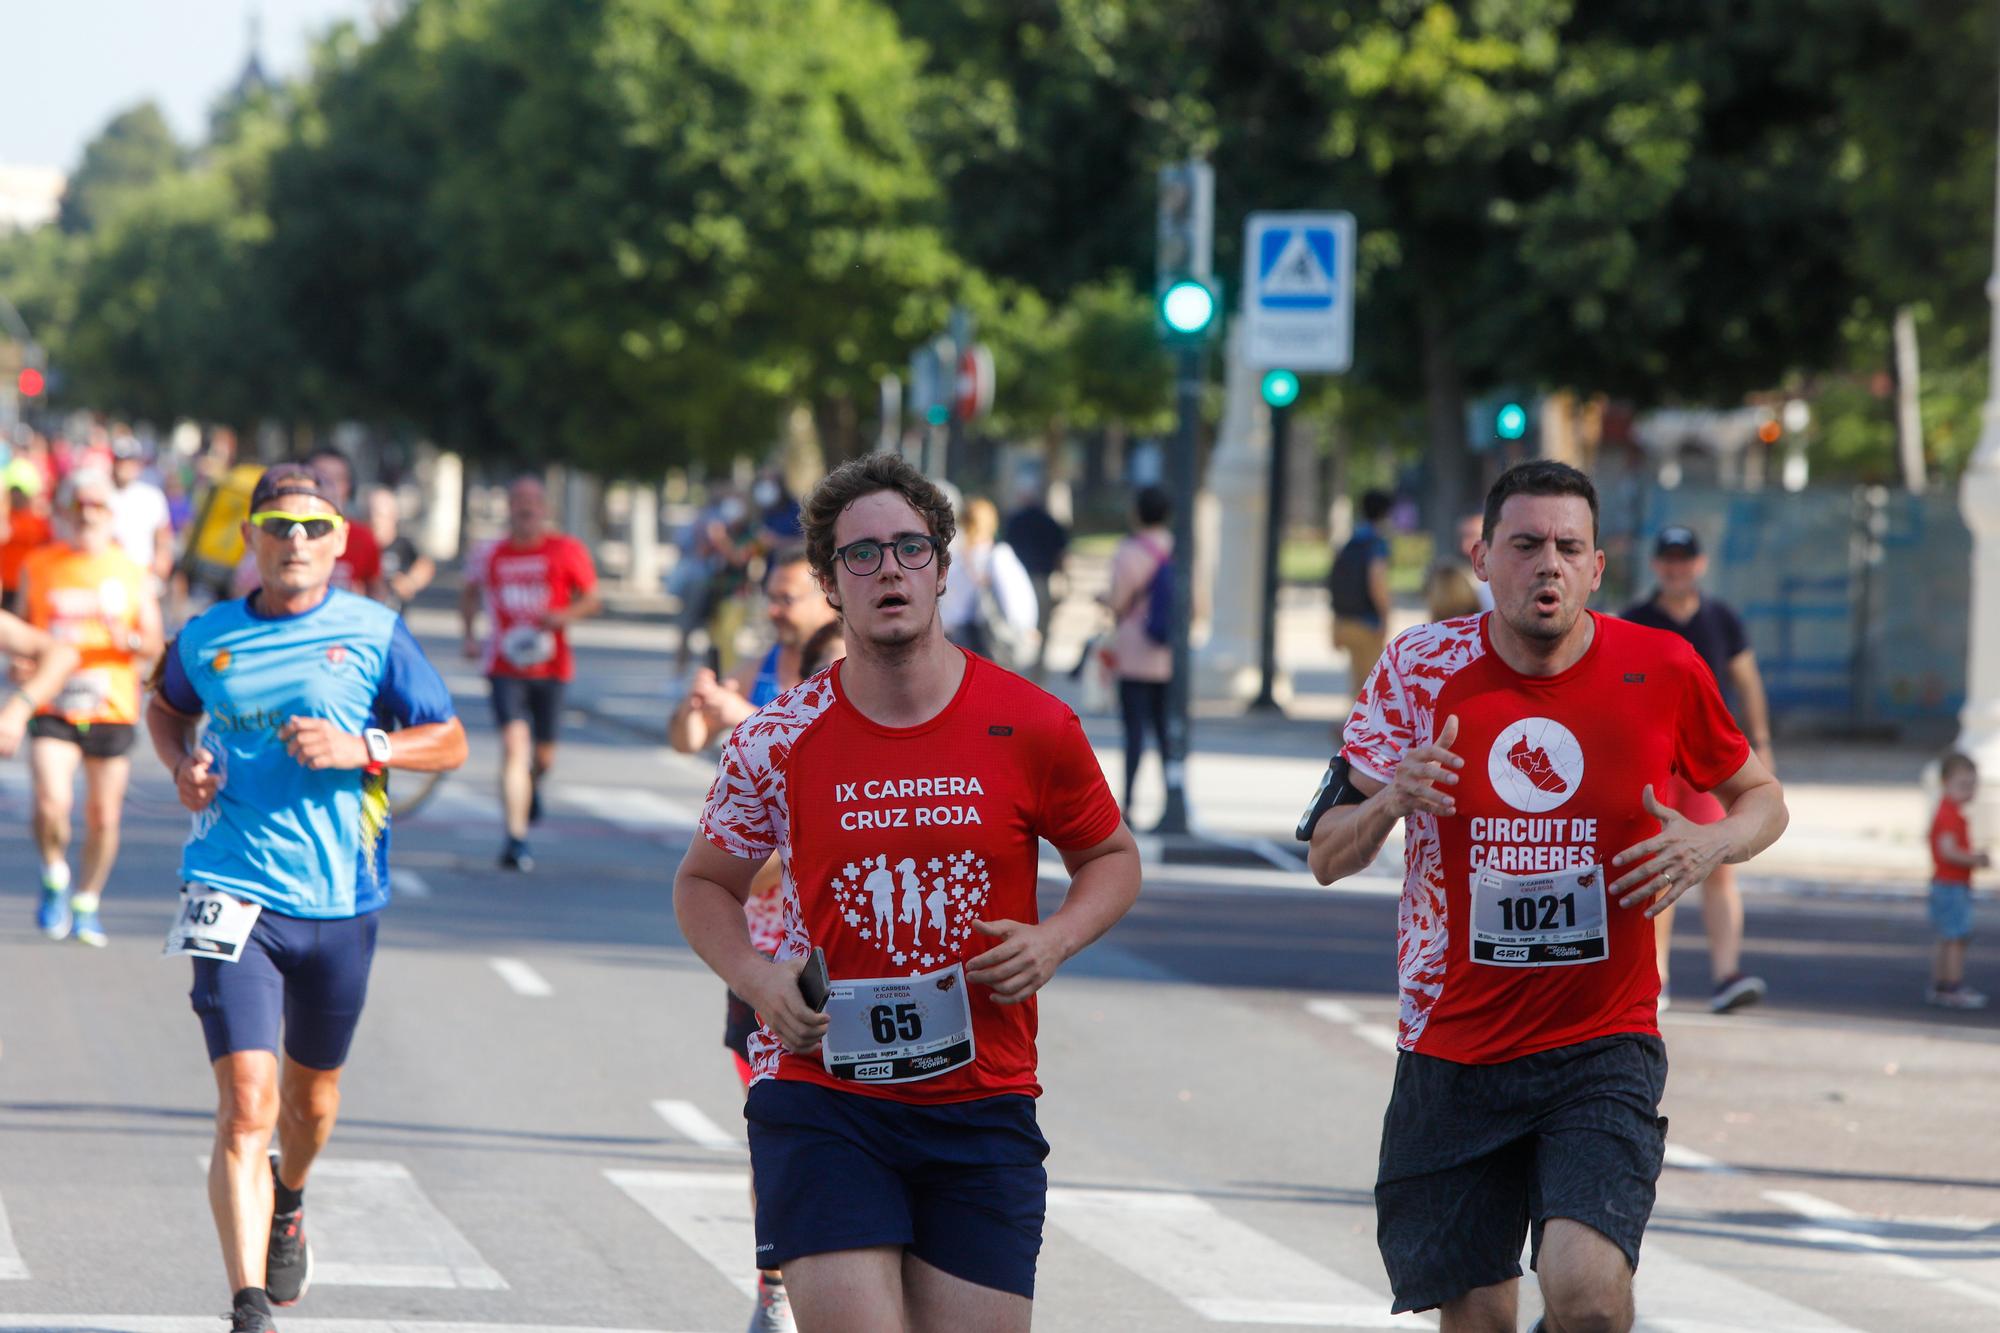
(1699, 806)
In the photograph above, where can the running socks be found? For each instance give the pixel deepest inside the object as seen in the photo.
(284, 1199)
(55, 876)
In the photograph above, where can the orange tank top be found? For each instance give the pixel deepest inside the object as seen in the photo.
(90, 602)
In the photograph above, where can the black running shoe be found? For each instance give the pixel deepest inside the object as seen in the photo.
(249, 1319)
(535, 800)
(288, 1264)
(517, 856)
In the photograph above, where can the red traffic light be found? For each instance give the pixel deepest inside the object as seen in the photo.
(31, 382)
(1770, 431)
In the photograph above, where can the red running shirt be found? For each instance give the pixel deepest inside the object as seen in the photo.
(1554, 769)
(522, 584)
(1950, 818)
(951, 811)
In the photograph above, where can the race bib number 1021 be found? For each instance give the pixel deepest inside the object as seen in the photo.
(1539, 920)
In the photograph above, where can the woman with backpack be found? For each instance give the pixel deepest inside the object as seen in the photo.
(1141, 602)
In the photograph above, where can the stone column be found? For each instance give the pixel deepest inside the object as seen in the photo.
(1230, 537)
(442, 476)
(643, 537)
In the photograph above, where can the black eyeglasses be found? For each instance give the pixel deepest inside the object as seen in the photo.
(913, 551)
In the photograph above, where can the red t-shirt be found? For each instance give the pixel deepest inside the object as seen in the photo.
(361, 563)
(946, 815)
(1554, 770)
(522, 584)
(1950, 818)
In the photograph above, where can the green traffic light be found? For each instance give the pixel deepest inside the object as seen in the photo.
(1511, 422)
(1188, 307)
(937, 414)
(1281, 388)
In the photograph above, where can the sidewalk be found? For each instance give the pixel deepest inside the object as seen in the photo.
(1859, 813)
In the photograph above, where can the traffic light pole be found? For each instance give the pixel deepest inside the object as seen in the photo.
(1274, 509)
(1174, 818)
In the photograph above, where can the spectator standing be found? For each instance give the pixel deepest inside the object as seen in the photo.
(406, 571)
(989, 604)
(1715, 630)
(1953, 860)
(1359, 585)
(1039, 538)
(140, 516)
(1143, 664)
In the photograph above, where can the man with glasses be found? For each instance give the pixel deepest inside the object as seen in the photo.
(310, 696)
(893, 1136)
(535, 584)
(86, 592)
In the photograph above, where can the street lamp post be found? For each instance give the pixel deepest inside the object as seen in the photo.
(1280, 390)
(1979, 501)
(1174, 816)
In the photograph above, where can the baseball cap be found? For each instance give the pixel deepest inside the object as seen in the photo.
(1677, 540)
(291, 479)
(127, 446)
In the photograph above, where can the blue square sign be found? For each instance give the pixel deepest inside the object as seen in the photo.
(1298, 286)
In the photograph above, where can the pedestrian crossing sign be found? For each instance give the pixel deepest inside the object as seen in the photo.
(1298, 286)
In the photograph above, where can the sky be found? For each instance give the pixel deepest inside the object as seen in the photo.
(71, 65)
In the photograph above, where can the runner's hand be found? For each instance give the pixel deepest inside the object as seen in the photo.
(785, 1011)
(1414, 788)
(317, 743)
(1021, 964)
(1680, 856)
(195, 782)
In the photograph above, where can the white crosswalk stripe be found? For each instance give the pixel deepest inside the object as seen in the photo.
(692, 1123)
(127, 1323)
(12, 1269)
(371, 1226)
(1675, 1295)
(709, 1211)
(1215, 1265)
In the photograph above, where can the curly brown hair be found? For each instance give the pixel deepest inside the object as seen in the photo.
(865, 476)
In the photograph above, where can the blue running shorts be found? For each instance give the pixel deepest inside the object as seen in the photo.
(311, 975)
(960, 1186)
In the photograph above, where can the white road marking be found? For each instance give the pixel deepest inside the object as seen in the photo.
(690, 1122)
(1687, 1159)
(1345, 1015)
(708, 1211)
(1215, 1265)
(520, 978)
(634, 809)
(1675, 1295)
(12, 1268)
(371, 1226)
(207, 1323)
(1217, 881)
(409, 883)
(1844, 1229)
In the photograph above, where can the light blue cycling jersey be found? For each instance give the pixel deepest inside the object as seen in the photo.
(303, 843)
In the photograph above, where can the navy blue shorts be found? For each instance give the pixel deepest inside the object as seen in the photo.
(1477, 1159)
(960, 1186)
(537, 702)
(312, 975)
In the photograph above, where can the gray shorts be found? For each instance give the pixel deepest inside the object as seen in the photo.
(1476, 1158)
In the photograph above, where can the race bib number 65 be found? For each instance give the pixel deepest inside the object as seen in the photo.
(1539, 920)
(898, 1029)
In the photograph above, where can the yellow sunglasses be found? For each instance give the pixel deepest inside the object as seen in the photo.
(277, 523)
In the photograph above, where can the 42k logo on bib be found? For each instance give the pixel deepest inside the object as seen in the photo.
(1535, 765)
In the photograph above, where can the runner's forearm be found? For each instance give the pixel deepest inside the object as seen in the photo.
(1755, 819)
(687, 729)
(1348, 838)
(711, 920)
(1101, 891)
(53, 665)
(171, 732)
(434, 747)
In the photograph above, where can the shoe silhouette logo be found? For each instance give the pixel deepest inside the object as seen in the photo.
(1537, 765)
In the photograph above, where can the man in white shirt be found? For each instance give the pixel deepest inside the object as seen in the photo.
(139, 509)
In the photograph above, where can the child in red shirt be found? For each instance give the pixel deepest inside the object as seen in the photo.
(1951, 885)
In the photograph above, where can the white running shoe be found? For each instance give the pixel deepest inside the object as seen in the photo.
(1955, 997)
(774, 1308)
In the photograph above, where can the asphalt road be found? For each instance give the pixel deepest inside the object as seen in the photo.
(541, 1129)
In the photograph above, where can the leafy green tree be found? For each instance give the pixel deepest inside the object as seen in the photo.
(130, 153)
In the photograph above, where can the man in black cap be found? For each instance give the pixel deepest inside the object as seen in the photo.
(1715, 630)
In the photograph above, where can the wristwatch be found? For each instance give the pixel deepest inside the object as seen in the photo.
(377, 741)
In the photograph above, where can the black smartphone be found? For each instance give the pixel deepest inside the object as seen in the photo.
(813, 982)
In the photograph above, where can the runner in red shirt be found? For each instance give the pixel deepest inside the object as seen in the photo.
(535, 584)
(893, 1137)
(1527, 748)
